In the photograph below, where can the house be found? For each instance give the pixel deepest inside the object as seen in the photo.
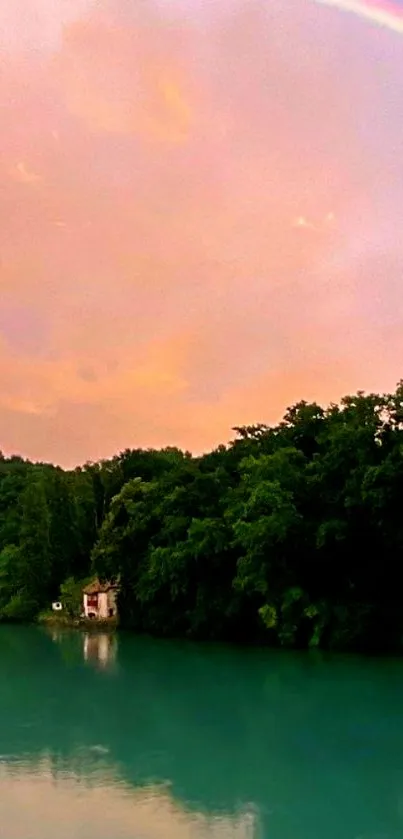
(100, 600)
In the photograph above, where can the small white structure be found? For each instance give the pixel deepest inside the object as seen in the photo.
(100, 600)
(57, 606)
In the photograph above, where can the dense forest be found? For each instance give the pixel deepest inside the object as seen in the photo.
(289, 535)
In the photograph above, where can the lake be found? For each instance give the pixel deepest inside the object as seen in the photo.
(119, 737)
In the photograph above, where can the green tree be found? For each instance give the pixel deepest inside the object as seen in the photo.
(33, 569)
(71, 596)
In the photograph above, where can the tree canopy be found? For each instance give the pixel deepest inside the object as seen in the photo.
(291, 534)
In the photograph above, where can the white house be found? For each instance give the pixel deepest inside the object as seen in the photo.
(100, 600)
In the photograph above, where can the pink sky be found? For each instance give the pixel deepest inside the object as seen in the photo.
(201, 218)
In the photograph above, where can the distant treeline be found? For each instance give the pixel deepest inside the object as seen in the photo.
(290, 535)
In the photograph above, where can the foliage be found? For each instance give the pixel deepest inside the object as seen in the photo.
(71, 596)
(290, 535)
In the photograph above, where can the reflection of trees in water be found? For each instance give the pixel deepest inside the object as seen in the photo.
(301, 738)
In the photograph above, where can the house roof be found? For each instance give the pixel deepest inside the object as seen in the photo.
(96, 587)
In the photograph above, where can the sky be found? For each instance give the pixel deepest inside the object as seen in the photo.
(201, 217)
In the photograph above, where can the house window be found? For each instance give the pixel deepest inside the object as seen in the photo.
(92, 602)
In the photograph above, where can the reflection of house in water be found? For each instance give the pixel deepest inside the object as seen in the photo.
(100, 648)
(56, 635)
(100, 600)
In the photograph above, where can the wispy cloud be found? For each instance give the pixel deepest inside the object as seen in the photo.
(21, 172)
(303, 223)
(306, 224)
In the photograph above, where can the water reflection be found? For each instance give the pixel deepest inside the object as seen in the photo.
(100, 648)
(218, 741)
(38, 802)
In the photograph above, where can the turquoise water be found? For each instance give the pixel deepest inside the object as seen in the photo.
(126, 737)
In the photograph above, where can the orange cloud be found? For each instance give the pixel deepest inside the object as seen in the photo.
(143, 92)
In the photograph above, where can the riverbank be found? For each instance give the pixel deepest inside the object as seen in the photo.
(68, 622)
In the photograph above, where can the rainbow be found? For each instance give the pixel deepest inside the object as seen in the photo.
(379, 12)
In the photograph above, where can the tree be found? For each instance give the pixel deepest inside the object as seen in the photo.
(290, 534)
(71, 596)
(268, 531)
(63, 531)
(33, 569)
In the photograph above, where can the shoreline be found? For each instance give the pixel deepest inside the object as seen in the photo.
(95, 624)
